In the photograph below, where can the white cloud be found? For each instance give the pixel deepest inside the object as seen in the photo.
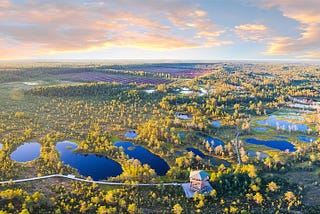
(251, 32)
(307, 13)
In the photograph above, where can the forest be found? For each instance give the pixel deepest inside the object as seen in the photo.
(185, 114)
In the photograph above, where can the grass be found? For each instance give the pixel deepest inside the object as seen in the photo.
(114, 138)
(309, 180)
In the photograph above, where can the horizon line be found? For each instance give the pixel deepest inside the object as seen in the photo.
(150, 60)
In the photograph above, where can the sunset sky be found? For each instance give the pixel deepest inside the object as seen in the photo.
(160, 29)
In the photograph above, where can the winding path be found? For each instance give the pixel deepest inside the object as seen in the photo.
(72, 177)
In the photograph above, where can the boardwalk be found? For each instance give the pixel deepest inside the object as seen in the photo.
(237, 147)
(72, 177)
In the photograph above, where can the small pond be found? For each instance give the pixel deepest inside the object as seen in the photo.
(276, 144)
(26, 152)
(216, 123)
(304, 106)
(260, 129)
(182, 135)
(145, 157)
(96, 166)
(149, 91)
(306, 139)
(186, 92)
(214, 142)
(282, 124)
(259, 154)
(214, 161)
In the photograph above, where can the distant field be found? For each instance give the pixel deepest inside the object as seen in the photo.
(188, 70)
(178, 72)
(118, 78)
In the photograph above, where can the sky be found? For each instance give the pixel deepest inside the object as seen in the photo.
(160, 29)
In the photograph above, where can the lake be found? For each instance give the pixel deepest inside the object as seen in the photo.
(145, 157)
(282, 124)
(276, 144)
(96, 166)
(26, 152)
(306, 139)
(196, 152)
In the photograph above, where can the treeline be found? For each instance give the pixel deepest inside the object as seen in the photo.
(236, 190)
(81, 90)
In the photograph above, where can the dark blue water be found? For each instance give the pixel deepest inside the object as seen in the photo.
(306, 139)
(214, 142)
(216, 123)
(145, 157)
(26, 152)
(260, 129)
(218, 162)
(282, 124)
(276, 144)
(196, 152)
(95, 166)
(214, 161)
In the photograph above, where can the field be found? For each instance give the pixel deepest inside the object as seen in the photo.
(111, 78)
(184, 70)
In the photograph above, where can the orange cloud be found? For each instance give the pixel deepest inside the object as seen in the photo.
(310, 55)
(307, 13)
(4, 4)
(251, 32)
(152, 41)
(58, 26)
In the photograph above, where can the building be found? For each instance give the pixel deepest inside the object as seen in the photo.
(199, 181)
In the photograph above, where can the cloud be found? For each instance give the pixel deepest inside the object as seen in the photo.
(4, 4)
(310, 55)
(57, 26)
(307, 13)
(309, 41)
(251, 32)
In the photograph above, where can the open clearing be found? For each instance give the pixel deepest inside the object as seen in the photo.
(104, 77)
